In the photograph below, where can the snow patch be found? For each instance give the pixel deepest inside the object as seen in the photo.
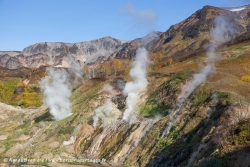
(236, 9)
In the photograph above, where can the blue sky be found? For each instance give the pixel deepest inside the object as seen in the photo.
(25, 22)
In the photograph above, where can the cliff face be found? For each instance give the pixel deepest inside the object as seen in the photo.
(129, 49)
(81, 48)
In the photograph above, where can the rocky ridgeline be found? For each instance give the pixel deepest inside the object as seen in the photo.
(44, 52)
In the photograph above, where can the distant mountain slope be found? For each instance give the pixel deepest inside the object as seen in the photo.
(41, 53)
(191, 35)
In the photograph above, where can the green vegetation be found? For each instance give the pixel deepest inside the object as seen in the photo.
(83, 119)
(8, 128)
(162, 143)
(216, 161)
(65, 130)
(205, 91)
(26, 97)
(158, 102)
(24, 131)
(84, 93)
(242, 133)
(7, 88)
(180, 77)
(169, 140)
(200, 97)
(8, 143)
(29, 97)
(222, 95)
(80, 98)
(153, 108)
(64, 126)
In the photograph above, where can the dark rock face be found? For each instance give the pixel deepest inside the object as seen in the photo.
(13, 63)
(3, 59)
(248, 27)
(40, 47)
(247, 18)
(73, 49)
(128, 50)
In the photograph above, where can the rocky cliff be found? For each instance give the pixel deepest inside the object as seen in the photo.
(45, 52)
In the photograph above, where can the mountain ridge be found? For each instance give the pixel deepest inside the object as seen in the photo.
(179, 41)
(40, 53)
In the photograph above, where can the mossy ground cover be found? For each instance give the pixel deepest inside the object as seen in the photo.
(158, 102)
(7, 88)
(29, 97)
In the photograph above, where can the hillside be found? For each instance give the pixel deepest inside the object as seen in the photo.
(185, 39)
(193, 34)
(187, 106)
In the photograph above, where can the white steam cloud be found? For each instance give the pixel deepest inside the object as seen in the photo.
(56, 88)
(75, 68)
(99, 53)
(222, 32)
(133, 88)
(103, 113)
(143, 19)
(107, 113)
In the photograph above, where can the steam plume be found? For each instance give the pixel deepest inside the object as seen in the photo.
(100, 53)
(107, 113)
(133, 88)
(103, 113)
(56, 90)
(75, 68)
(222, 32)
(144, 19)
